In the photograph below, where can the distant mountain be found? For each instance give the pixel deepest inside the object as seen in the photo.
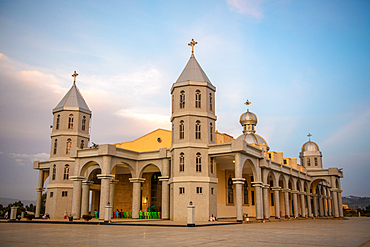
(6, 201)
(356, 202)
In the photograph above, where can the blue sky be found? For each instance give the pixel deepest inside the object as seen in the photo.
(304, 65)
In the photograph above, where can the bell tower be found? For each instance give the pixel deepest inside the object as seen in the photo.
(310, 155)
(71, 120)
(193, 129)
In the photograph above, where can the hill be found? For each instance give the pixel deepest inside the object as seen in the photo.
(356, 202)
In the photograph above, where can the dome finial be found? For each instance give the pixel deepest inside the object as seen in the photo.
(74, 77)
(192, 44)
(309, 136)
(247, 103)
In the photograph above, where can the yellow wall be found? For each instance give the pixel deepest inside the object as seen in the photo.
(149, 142)
(223, 137)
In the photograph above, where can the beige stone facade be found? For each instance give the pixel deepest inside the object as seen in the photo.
(166, 170)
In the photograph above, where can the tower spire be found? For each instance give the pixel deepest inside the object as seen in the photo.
(247, 103)
(309, 136)
(74, 77)
(192, 44)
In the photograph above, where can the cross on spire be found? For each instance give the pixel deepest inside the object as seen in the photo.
(74, 77)
(309, 136)
(192, 44)
(247, 103)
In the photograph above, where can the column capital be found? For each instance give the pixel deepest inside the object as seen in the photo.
(257, 184)
(114, 181)
(276, 188)
(294, 191)
(238, 180)
(302, 193)
(87, 182)
(285, 190)
(308, 194)
(136, 180)
(163, 178)
(76, 178)
(105, 176)
(334, 189)
(315, 195)
(265, 186)
(38, 189)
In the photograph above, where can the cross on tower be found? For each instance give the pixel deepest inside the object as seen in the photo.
(74, 76)
(309, 136)
(192, 44)
(247, 103)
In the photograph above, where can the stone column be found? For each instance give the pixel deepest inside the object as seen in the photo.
(295, 202)
(104, 192)
(321, 205)
(303, 206)
(286, 203)
(309, 205)
(76, 196)
(239, 182)
(136, 193)
(276, 201)
(315, 206)
(85, 197)
(266, 206)
(335, 202)
(165, 198)
(111, 193)
(340, 206)
(39, 190)
(259, 200)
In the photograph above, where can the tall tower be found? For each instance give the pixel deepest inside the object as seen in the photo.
(310, 155)
(71, 120)
(193, 129)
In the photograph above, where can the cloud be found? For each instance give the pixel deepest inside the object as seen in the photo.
(351, 132)
(246, 7)
(23, 159)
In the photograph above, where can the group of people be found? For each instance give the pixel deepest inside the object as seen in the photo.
(119, 214)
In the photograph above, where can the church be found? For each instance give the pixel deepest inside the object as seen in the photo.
(165, 170)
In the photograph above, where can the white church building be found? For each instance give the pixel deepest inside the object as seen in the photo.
(164, 170)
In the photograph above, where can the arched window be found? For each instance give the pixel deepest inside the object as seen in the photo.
(83, 123)
(315, 161)
(58, 121)
(182, 160)
(198, 163)
(82, 145)
(210, 102)
(230, 191)
(245, 192)
(182, 99)
(181, 129)
(54, 172)
(197, 130)
(55, 146)
(69, 145)
(66, 172)
(70, 122)
(197, 99)
(211, 131)
(212, 168)
(308, 162)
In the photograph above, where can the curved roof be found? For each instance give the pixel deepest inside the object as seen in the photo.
(193, 72)
(252, 138)
(310, 146)
(248, 118)
(73, 100)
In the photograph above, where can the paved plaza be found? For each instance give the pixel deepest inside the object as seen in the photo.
(352, 232)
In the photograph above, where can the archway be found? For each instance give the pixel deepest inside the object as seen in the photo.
(151, 189)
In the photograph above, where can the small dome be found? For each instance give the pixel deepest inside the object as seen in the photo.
(248, 118)
(310, 146)
(252, 138)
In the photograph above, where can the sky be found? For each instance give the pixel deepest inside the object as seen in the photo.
(304, 65)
